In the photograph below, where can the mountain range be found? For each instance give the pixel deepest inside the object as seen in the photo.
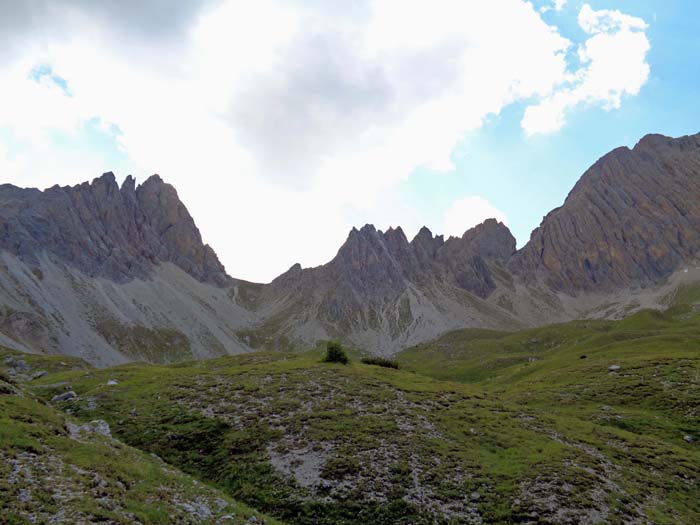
(114, 274)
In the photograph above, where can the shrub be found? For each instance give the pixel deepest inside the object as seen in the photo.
(335, 353)
(340, 467)
(380, 361)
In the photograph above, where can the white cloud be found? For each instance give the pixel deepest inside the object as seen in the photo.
(607, 21)
(285, 122)
(557, 5)
(468, 212)
(613, 62)
(35, 107)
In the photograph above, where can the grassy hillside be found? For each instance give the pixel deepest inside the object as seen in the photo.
(53, 469)
(626, 391)
(476, 427)
(584, 422)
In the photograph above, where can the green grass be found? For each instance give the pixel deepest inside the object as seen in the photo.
(685, 294)
(636, 418)
(47, 472)
(478, 425)
(140, 343)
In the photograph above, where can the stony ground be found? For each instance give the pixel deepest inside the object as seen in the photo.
(55, 469)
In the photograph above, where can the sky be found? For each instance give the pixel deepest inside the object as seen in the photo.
(284, 123)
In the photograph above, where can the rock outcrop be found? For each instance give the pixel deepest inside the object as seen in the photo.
(382, 291)
(376, 264)
(632, 219)
(466, 260)
(111, 274)
(107, 231)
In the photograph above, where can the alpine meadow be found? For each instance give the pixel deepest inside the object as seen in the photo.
(424, 362)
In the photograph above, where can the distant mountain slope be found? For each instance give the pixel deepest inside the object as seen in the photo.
(629, 224)
(383, 292)
(111, 274)
(117, 274)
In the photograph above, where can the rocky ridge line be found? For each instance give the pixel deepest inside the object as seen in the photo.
(107, 231)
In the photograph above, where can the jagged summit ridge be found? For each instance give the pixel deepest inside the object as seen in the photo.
(631, 221)
(383, 291)
(375, 258)
(107, 231)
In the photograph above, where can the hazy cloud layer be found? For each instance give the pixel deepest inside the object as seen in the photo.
(310, 111)
(148, 20)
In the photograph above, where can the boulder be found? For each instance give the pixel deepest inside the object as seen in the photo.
(66, 396)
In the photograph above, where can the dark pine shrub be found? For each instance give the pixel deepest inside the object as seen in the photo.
(335, 353)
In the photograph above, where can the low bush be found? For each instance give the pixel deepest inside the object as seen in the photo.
(380, 361)
(335, 353)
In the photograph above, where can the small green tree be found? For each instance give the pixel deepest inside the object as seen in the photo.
(335, 353)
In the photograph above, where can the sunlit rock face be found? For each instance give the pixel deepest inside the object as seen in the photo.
(633, 218)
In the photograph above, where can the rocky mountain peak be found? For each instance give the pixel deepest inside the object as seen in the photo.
(396, 242)
(491, 239)
(425, 246)
(364, 231)
(466, 259)
(365, 258)
(291, 276)
(153, 180)
(424, 233)
(106, 180)
(375, 262)
(632, 218)
(128, 186)
(107, 231)
(396, 233)
(653, 141)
